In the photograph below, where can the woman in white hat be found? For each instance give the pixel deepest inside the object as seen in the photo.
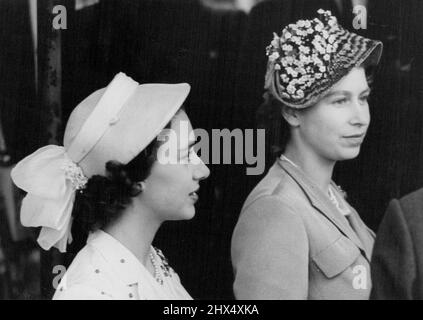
(297, 237)
(113, 180)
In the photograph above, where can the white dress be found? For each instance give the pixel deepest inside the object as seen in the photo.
(106, 269)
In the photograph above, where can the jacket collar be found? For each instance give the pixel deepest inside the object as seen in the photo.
(320, 201)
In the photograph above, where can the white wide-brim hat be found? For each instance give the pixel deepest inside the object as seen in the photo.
(119, 121)
(113, 123)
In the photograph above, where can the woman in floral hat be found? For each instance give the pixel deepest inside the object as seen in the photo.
(112, 179)
(297, 237)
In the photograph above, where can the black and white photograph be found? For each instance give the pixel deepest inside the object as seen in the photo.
(238, 151)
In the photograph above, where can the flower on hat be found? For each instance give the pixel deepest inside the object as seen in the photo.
(325, 34)
(287, 47)
(297, 40)
(301, 70)
(273, 56)
(301, 23)
(284, 78)
(332, 22)
(290, 89)
(305, 49)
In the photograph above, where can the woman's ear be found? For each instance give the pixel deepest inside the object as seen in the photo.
(291, 115)
(137, 188)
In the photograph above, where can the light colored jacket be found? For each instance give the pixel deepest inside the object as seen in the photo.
(291, 242)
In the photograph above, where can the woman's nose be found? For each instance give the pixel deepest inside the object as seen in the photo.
(201, 171)
(361, 115)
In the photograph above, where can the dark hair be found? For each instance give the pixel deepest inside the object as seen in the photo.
(269, 117)
(105, 197)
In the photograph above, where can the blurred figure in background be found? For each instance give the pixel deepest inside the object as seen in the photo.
(397, 263)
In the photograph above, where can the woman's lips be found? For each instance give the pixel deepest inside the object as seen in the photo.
(194, 196)
(355, 139)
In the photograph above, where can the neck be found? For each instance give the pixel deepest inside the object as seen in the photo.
(135, 229)
(318, 169)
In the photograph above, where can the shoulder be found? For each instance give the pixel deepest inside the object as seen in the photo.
(276, 187)
(270, 221)
(268, 210)
(88, 277)
(276, 203)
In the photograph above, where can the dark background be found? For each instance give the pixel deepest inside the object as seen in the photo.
(221, 53)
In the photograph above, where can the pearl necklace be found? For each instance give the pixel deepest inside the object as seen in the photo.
(156, 267)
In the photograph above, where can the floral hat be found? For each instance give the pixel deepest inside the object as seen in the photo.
(310, 56)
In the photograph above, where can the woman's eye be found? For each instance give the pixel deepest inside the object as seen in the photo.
(341, 101)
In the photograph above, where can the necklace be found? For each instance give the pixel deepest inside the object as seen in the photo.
(335, 201)
(283, 157)
(156, 267)
(332, 196)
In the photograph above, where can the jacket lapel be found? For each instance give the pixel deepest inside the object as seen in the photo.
(321, 202)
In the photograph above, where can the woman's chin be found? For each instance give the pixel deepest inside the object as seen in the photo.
(349, 153)
(190, 213)
(186, 214)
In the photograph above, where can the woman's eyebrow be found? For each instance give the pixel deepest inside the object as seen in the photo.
(345, 92)
(337, 92)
